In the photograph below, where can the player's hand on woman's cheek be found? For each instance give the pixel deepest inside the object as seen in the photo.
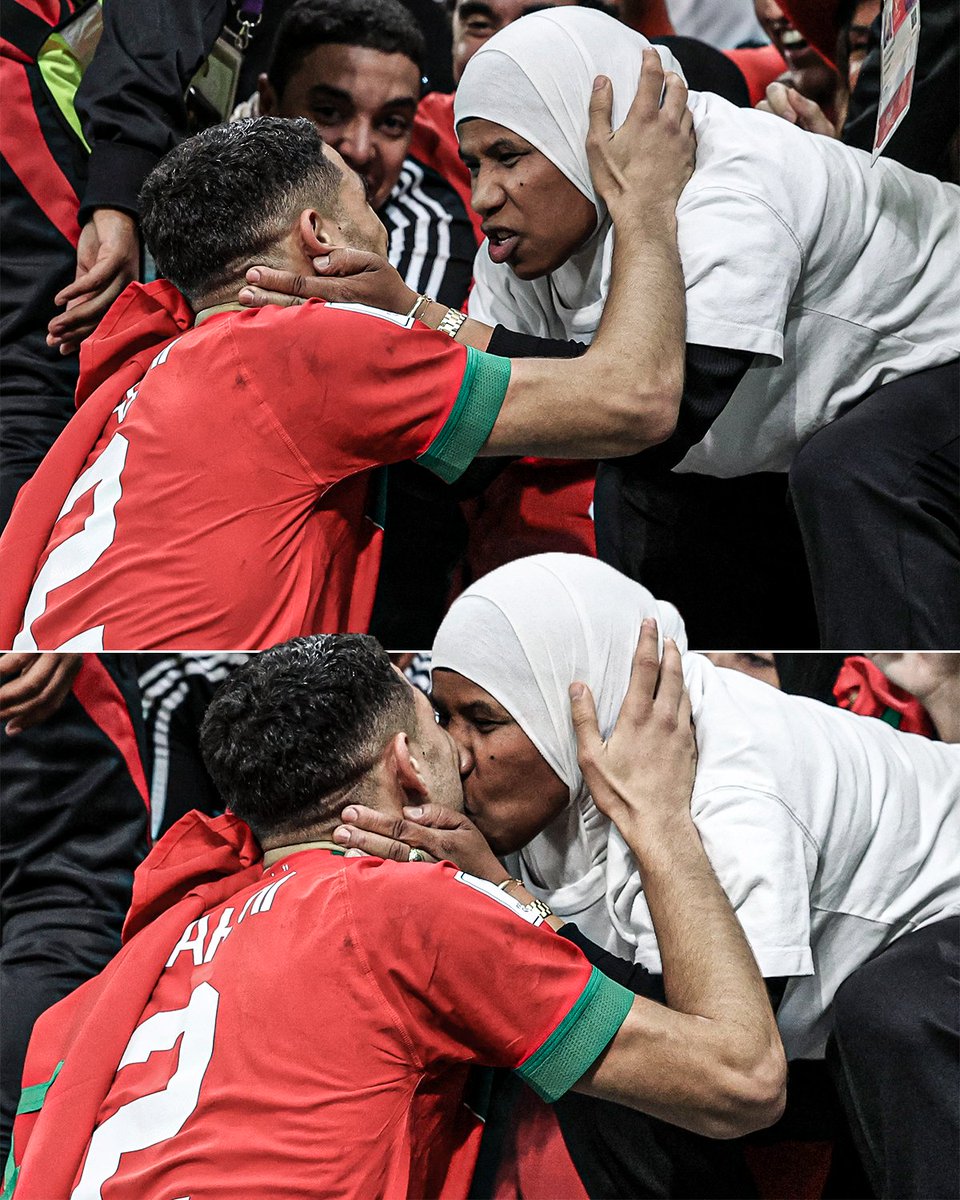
(437, 832)
(642, 775)
(648, 160)
(342, 276)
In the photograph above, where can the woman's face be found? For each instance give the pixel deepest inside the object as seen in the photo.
(532, 214)
(510, 792)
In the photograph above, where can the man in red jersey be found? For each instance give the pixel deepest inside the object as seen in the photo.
(216, 488)
(312, 1019)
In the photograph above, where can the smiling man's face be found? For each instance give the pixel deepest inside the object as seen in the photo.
(363, 101)
(475, 21)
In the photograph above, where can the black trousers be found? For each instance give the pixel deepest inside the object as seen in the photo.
(877, 495)
(73, 826)
(895, 1056)
(726, 552)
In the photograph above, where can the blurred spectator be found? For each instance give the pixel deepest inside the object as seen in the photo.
(914, 692)
(73, 827)
(808, 70)
(759, 664)
(175, 691)
(854, 19)
(927, 138)
(935, 681)
(848, 34)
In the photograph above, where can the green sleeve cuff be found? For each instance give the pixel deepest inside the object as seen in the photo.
(31, 1101)
(473, 415)
(578, 1040)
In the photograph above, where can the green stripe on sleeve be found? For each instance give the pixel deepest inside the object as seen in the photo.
(578, 1040)
(473, 415)
(31, 1101)
(32, 1098)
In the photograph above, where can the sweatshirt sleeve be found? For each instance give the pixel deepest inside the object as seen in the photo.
(131, 100)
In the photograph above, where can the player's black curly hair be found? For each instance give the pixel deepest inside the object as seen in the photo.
(296, 725)
(384, 25)
(228, 195)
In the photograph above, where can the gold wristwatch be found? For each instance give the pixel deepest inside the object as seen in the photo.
(452, 320)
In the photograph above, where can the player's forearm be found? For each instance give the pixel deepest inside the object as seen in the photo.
(623, 395)
(641, 338)
(709, 970)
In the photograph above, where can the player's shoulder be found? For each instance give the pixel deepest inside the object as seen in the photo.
(353, 314)
(320, 328)
(410, 888)
(400, 881)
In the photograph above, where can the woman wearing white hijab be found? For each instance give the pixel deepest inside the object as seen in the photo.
(792, 797)
(835, 837)
(800, 301)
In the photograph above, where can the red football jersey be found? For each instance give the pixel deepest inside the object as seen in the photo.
(314, 1035)
(229, 500)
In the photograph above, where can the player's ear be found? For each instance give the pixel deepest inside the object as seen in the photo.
(313, 233)
(407, 766)
(318, 234)
(269, 100)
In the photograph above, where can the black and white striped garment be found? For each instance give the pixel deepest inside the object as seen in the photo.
(431, 238)
(175, 691)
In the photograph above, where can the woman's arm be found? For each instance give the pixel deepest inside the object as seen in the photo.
(623, 394)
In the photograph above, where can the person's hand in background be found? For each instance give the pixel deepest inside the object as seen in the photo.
(33, 686)
(108, 258)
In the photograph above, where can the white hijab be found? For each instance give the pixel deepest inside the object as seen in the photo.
(535, 77)
(524, 633)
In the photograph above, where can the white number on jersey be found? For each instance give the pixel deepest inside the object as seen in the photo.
(79, 552)
(154, 1118)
